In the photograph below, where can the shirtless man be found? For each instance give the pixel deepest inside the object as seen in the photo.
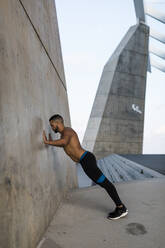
(71, 145)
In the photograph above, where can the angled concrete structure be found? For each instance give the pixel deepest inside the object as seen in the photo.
(117, 117)
(153, 161)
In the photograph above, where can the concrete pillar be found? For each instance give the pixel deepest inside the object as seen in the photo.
(117, 117)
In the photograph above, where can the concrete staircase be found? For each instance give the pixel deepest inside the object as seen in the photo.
(117, 169)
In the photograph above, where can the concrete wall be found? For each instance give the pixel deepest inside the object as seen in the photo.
(117, 117)
(34, 177)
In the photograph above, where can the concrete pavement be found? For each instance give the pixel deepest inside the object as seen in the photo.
(80, 221)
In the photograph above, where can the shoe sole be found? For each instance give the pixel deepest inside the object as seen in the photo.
(122, 215)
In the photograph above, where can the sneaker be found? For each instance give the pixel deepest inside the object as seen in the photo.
(118, 213)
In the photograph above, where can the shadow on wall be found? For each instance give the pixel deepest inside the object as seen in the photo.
(37, 145)
(36, 141)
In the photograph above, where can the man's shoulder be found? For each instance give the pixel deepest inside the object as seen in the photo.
(69, 131)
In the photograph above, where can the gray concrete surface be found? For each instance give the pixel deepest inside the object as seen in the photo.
(81, 219)
(44, 12)
(116, 120)
(153, 161)
(33, 177)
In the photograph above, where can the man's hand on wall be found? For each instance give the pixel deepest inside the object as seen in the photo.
(60, 142)
(46, 141)
(44, 137)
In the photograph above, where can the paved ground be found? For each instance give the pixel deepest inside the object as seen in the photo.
(81, 220)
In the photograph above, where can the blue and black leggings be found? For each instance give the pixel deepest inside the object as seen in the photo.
(89, 165)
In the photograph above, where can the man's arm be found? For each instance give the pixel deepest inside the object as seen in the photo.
(60, 142)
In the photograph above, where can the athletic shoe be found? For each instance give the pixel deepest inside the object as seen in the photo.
(118, 213)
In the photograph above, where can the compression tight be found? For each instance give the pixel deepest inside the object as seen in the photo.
(89, 165)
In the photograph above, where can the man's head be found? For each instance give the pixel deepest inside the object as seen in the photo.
(57, 123)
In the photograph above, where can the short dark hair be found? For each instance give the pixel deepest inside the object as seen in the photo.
(56, 117)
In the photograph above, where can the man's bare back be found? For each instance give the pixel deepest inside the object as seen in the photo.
(73, 149)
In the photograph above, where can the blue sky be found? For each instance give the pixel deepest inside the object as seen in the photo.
(89, 32)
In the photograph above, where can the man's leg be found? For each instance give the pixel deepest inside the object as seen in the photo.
(90, 167)
(111, 190)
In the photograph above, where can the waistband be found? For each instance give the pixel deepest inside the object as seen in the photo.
(83, 155)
